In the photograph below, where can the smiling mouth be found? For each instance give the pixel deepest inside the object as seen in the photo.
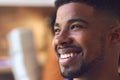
(69, 54)
(69, 58)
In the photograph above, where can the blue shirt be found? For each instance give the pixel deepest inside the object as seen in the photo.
(69, 79)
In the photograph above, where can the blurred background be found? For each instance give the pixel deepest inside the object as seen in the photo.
(25, 40)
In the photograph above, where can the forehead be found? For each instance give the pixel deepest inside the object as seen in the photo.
(74, 10)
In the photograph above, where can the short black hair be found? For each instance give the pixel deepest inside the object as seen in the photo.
(113, 6)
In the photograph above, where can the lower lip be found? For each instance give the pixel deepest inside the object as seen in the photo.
(67, 61)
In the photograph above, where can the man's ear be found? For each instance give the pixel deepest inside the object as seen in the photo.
(115, 35)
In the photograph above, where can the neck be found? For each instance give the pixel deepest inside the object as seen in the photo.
(105, 70)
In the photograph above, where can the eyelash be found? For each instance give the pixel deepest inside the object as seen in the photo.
(76, 27)
(56, 31)
(72, 27)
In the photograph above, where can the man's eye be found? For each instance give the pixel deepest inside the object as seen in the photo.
(56, 31)
(75, 27)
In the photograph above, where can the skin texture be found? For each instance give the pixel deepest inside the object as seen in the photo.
(81, 29)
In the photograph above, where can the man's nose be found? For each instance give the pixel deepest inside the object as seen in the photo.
(63, 38)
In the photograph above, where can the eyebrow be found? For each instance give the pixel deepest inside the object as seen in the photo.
(77, 20)
(73, 20)
(56, 24)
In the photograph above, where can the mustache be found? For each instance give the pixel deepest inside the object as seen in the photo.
(71, 46)
(68, 46)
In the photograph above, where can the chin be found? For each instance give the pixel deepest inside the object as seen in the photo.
(71, 74)
(68, 72)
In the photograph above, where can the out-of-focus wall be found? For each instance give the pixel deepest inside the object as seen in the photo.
(34, 18)
(38, 20)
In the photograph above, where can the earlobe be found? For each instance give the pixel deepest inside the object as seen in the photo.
(115, 35)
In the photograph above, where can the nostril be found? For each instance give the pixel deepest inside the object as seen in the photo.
(64, 40)
(62, 45)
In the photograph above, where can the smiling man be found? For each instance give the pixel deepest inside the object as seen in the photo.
(87, 38)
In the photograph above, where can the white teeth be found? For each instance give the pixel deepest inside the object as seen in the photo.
(71, 55)
(67, 55)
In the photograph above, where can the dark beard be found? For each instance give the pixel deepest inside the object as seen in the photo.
(85, 68)
(75, 74)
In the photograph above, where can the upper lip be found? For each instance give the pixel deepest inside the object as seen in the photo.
(68, 49)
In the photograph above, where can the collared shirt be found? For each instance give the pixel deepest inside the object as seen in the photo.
(69, 79)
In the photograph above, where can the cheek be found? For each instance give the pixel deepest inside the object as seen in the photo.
(90, 43)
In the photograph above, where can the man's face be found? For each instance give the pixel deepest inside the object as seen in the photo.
(79, 40)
